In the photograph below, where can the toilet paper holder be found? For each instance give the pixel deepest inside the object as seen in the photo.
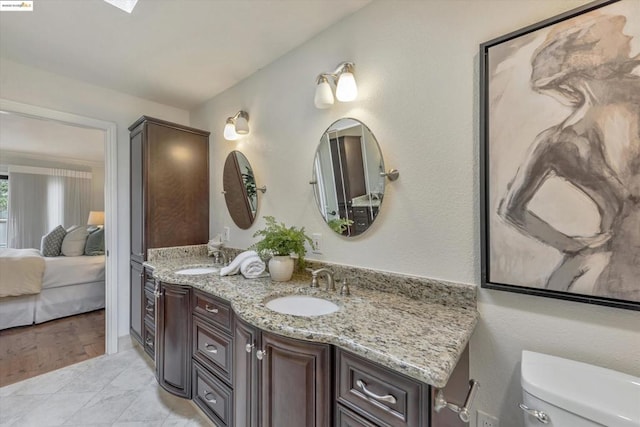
(463, 411)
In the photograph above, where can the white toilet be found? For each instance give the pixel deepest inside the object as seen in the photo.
(566, 393)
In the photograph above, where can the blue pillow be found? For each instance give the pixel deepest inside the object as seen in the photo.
(51, 243)
(95, 243)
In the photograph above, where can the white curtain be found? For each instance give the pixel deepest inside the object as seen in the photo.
(41, 199)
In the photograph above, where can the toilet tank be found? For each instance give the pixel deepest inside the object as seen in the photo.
(575, 394)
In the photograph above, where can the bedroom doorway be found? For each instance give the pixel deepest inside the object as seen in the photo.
(110, 201)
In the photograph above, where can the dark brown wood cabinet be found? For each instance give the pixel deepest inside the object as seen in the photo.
(279, 381)
(246, 339)
(173, 339)
(295, 387)
(240, 375)
(169, 190)
(368, 394)
(136, 316)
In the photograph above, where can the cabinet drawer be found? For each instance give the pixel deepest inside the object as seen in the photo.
(213, 349)
(213, 309)
(346, 418)
(149, 306)
(382, 395)
(149, 339)
(212, 396)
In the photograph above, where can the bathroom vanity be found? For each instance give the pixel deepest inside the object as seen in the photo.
(375, 362)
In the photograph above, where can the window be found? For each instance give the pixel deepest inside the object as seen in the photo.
(4, 205)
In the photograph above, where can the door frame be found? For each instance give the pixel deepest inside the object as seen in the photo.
(110, 202)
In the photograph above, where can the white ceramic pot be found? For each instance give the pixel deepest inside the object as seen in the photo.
(281, 268)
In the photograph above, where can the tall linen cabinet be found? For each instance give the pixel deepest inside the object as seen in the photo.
(169, 205)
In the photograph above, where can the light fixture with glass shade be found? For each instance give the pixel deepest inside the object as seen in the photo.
(236, 126)
(345, 82)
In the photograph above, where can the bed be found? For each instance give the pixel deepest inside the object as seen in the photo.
(70, 285)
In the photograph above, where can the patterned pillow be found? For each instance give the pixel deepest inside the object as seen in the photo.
(52, 242)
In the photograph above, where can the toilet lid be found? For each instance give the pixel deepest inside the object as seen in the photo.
(602, 395)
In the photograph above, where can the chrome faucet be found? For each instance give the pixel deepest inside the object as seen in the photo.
(216, 257)
(327, 273)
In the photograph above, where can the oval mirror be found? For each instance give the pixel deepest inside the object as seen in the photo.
(240, 191)
(346, 180)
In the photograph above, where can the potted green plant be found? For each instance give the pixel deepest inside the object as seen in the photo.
(280, 242)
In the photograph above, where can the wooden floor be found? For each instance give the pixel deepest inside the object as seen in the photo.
(28, 351)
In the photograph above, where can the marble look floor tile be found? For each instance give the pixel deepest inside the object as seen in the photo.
(56, 410)
(134, 378)
(191, 421)
(105, 407)
(13, 407)
(51, 382)
(108, 391)
(152, 404)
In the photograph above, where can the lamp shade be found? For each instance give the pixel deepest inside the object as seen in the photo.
(230, 133)
(346, 89)
(242, 125)
(96, 218)
(324, 95)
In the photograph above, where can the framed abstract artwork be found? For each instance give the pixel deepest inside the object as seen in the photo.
(560, 157)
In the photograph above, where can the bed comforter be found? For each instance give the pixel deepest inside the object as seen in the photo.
(21, 272)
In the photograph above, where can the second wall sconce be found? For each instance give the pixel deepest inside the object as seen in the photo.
(236, 126)
(343, 79)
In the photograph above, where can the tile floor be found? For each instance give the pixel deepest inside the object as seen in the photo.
(115, 390)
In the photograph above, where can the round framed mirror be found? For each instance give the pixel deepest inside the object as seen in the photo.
(240, 192)
(347, 181)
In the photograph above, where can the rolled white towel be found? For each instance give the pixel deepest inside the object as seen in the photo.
(252, 267)
(234, 266)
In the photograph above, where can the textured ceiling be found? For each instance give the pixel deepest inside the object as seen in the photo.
(179, 53)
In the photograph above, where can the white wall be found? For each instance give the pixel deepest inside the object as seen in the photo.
(29, 85)
(417, 70)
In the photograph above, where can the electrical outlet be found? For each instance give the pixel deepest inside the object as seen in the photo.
(316, 238)
(226, 234)
(486, 420)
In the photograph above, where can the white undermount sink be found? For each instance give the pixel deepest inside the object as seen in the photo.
(197, 271)
(302, 305)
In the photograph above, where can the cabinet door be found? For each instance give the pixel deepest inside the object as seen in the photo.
(173, 337)
(177, 187)
(137, 202)
(245, 374)
(136, 297)
(295, 383)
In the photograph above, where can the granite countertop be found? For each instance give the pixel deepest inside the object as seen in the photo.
(420, 338)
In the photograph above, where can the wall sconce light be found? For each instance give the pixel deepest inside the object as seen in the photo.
(236, 126)
(345, 82)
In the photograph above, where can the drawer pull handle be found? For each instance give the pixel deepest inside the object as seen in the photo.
(211, 348)
(388, 398)
(211, 309)
(149, 307)
(208, 396)
(149, 342)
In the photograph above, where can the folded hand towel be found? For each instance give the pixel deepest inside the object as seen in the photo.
(234, 266)
(252, 267)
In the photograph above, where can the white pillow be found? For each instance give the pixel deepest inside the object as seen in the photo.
(74, 241)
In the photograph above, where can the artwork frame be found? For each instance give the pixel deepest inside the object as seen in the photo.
(558, 219)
